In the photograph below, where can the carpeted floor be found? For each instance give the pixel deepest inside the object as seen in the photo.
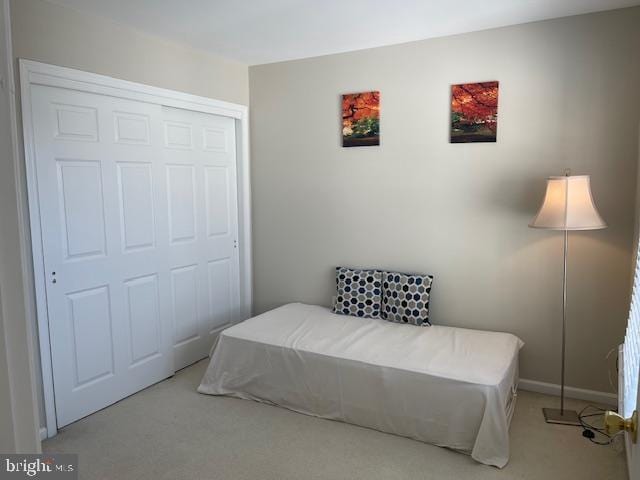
(169, 431)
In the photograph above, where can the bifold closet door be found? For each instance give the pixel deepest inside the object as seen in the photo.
(138, 219)
(200, 160)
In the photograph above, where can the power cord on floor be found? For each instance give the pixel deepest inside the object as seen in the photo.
(595, 434)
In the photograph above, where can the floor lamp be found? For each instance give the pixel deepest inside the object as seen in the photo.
(568, 205)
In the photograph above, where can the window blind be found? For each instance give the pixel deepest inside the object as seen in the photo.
(631, 347)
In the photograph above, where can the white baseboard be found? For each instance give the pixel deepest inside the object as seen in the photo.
(43, 433)
(570, 392)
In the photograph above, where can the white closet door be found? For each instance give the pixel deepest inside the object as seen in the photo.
(200, 162)
(128, 243)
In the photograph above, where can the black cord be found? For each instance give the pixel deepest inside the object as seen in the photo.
(591, 431)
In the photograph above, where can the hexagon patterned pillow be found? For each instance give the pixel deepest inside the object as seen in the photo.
(359, 292)
(405, 298)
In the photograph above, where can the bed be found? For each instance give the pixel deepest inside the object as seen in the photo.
(451, 387)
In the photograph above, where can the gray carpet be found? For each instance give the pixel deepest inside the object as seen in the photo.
(169, 431)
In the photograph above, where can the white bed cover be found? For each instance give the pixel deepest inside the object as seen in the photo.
(447, 386)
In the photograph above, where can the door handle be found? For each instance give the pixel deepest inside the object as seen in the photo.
(614, 422)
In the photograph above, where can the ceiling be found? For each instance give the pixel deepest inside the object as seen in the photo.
(266, 31)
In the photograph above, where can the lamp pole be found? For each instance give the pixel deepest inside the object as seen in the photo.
(564, 318)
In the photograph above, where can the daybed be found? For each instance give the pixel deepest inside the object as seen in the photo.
(447, 386)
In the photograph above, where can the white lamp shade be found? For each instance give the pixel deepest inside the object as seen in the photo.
(568, 205)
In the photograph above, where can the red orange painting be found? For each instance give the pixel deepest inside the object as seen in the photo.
(474, 112)
(361, 119)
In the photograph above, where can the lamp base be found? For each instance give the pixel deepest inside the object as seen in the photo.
(555, 415)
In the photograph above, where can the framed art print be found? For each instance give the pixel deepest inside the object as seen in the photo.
(474, 112)
(361, 119)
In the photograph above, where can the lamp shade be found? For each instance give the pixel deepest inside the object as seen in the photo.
(568, 205)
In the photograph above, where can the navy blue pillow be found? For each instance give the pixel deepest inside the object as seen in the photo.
(405, 298)
(359, 292)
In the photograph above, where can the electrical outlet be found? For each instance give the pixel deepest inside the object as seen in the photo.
(334, 299)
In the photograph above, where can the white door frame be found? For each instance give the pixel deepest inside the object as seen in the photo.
(36, 73)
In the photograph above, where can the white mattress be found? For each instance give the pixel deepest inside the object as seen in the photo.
(448, 386)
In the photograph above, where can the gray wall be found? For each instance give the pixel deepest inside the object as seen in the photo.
(58, 35)
(18, 402)
(569, 98)
(53, 34)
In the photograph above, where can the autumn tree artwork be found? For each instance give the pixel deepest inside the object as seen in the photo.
(474, 112)
(361, 119)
